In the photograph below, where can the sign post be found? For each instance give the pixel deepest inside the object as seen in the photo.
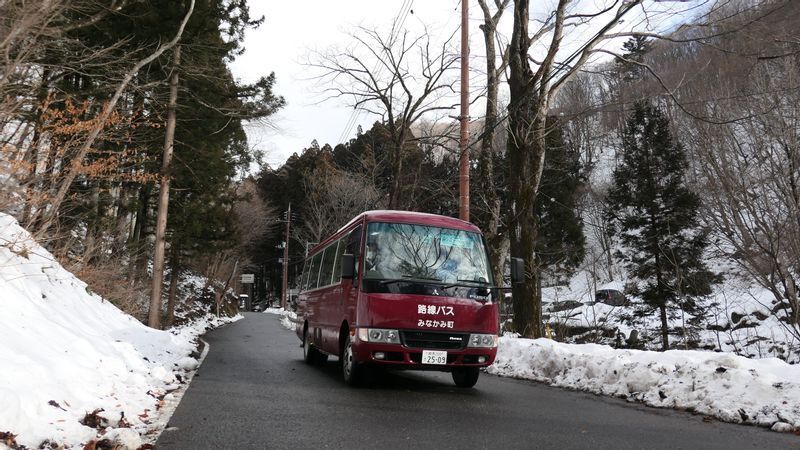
(285, 281)
(248, 278)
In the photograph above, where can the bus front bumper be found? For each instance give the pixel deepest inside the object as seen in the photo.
(398, 356)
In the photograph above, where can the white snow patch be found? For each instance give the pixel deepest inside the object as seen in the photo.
(66, 352)
(763, 392)
(289, 317)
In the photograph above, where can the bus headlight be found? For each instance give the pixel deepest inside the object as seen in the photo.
(482, 341)
(379, 335)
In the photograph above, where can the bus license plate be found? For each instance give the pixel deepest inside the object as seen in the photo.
(434, 357)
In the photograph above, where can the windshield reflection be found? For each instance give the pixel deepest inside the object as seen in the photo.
(424, 253)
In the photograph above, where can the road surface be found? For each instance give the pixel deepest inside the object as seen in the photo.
(254, 391)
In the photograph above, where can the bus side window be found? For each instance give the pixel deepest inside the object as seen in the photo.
(313, 276)
(354, 245)
(337, 266)
(328, 259)
(301, 283)
(304, 276)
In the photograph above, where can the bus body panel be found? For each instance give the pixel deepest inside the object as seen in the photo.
(330, 302)
(426, 312)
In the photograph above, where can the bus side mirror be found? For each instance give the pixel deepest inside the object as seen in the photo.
(517, 270)
(348, 266)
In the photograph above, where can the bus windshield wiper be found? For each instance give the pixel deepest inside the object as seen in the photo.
(412, 279)
(463, 283)
(481, 282)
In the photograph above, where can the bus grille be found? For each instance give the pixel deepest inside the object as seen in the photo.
(433, 340)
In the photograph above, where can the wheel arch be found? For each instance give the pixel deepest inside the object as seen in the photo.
(344, 331)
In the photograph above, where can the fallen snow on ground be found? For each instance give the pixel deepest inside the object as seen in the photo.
(288, 317)
(739, 318)
(67, 356)
(732, 388)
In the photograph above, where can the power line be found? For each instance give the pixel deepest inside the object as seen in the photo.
(405, 8)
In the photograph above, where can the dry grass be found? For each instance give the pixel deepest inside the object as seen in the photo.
(110, 282)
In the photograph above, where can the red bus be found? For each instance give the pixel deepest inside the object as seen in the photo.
(402, 290)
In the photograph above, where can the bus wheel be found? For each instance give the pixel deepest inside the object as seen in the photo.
(351, 369)
(466, 377)
(310, 354)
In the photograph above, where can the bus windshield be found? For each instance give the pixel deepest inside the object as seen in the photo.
(396, 251)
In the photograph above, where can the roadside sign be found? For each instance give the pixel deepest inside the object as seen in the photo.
(248, 278)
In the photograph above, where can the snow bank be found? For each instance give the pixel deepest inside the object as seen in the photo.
(66, 353)
(288, 318)
(732, 388)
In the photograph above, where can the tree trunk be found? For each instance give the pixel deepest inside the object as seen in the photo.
(122, 216)
(139, 238)
(174, 270)
(154, 317)
(397, 169)
(660, 288)
(662, 309)
(32, 156)
(526, 150)
(526, 160)
(498, 243)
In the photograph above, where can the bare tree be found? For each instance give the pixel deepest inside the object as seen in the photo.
(531, 94)
(253, 216)
(490, 208)
(542, 62)
(334, 198)
(752, 181)
(35, 49)
(396, 76)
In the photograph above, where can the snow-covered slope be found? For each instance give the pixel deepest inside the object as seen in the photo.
(66, 353)
(738, 318)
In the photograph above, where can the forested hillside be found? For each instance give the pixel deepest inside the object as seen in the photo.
(112, 111)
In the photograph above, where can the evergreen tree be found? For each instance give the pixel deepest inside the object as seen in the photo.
(281, 187)
(635, 50)
(655, 218)
(561, 243)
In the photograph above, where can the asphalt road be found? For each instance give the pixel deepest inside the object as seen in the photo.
(254, 391)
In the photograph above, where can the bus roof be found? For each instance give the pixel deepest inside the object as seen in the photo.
(385, 215)
(412, 217)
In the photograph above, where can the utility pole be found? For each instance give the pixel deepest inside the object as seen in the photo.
(285, 286)
(463, 166)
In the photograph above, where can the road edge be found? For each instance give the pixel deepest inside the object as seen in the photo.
(173, 399)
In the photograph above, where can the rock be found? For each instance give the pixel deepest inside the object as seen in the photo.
(782, 427)
(123, 438)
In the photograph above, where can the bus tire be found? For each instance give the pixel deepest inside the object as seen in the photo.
(351, 369)
(310, 354)
(466, 377)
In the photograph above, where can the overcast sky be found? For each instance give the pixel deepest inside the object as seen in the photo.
(283, 41)
(293, 29)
